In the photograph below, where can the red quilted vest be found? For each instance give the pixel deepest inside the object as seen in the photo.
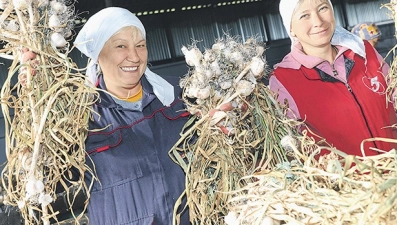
(344, 114)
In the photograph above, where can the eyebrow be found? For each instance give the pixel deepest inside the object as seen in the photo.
(304, 11)
(123, 39)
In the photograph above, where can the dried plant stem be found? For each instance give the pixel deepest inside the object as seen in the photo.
(242, 73)
(7, 11)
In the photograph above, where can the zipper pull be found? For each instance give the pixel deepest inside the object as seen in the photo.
(348, 87)
(334, 71)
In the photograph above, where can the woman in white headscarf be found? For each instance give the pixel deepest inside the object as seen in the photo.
(136, 122)
(333, 80)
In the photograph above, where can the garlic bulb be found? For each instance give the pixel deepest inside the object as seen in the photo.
(58, 7)
(192, 56)
(191, 91)
(201, 77)
(209, 56)
(54, 21)
(208, 73)
(217, 95)
(58, 40)
(225, 82)
(288, 143)
(34, 186)
(45, 199)
(203, 93)
(216, 68)
(231, 219)
(232, 44)
(219, 46)
(260, 50)
(21, 204)
(237, 58)
(12, 25)
(257, 67)
(245, 87)
(21, 4)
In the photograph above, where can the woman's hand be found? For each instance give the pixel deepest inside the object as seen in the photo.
(30, 57)
(218, 117)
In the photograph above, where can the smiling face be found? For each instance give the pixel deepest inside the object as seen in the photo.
(123, 61)
(313, 24)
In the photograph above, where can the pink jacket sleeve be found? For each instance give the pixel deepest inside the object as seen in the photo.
(283, 96)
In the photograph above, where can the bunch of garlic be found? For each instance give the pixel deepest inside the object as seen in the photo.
(35, 193)
(228, 70)
(61, 22)
(60, 18)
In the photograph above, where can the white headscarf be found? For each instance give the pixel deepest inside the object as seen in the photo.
(103, 25)
(341, 36)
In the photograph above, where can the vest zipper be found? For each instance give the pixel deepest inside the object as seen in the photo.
(362, 112)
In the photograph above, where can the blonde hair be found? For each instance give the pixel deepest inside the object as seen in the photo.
(136, 32)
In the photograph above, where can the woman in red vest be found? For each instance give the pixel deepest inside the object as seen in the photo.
(333, 81)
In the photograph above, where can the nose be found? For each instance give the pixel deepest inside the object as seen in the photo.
(133, 55)
(317, 20)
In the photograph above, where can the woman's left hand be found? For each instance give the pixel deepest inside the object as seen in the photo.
(27, 56)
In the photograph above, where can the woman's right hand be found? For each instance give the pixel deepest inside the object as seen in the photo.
(218, 117)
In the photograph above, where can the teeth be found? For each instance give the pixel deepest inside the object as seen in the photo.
(129, 68)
